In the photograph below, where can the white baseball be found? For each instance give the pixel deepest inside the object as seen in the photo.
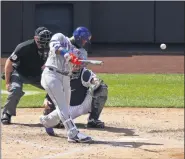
(163, 46)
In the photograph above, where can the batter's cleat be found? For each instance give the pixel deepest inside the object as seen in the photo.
(80, 138)
(95, 124)
(50, 131)
(6, 119)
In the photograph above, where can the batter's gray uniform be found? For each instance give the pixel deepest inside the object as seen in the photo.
(84, 99)
(76, 110)
(56, 81)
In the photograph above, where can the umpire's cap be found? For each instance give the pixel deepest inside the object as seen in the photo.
(44, 36)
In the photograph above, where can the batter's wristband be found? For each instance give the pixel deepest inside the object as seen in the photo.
(63, 52)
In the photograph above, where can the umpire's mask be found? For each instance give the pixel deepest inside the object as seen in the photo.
(43, 36)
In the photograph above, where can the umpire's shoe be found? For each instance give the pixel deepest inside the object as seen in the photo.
(95, 124)
(6, 119)
(80, 138)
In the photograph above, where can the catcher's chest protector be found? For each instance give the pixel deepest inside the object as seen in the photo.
(78, 92)
(79, 86)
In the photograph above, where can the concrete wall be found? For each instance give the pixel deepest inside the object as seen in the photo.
(110, 22)
(123, 22)
(11, 25)
(169, 22)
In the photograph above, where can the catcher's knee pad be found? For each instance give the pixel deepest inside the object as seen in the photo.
(86, 77)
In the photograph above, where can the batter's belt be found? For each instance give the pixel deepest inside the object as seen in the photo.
(55, 70)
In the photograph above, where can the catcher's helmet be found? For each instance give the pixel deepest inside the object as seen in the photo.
(81, 36)
(44, 36)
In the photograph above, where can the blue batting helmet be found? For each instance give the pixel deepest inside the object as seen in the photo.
(81, 36)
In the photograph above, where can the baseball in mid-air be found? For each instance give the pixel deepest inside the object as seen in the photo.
(163, 46)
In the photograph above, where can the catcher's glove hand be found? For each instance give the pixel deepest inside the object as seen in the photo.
(48, 107)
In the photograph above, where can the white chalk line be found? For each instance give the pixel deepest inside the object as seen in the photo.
(32, 144)
(27, 93)
(74, 150)
(49, 148)
(66, 153)
(95, 139)
(130, 139)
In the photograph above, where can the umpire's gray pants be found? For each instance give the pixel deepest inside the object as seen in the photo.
(16, 92)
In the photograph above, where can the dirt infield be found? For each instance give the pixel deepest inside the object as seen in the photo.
(141, 64)
(129, 134)
(136, 64)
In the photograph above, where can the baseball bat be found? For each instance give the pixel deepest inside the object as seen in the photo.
(94, 62)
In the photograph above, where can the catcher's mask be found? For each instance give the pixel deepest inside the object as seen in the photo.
(42, 37)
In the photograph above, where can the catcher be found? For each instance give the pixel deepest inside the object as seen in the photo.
(88, 94)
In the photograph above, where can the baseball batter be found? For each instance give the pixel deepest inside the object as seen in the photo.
(56, 81)
(88, 95)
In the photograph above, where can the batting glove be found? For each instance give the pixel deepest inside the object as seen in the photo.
(72, 58)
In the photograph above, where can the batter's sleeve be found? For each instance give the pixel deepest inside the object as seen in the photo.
(57, 41)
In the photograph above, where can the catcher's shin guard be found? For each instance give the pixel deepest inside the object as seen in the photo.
(98, 102)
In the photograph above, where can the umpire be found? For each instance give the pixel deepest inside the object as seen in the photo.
(24, 66)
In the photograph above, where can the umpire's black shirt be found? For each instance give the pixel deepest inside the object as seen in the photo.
(28, 59)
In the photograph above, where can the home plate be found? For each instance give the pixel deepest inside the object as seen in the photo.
(27, 93)
(132, 139)
(125, 142)
(127, 139)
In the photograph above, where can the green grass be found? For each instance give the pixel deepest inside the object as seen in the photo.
(130, 90)
(148, 90)
(27, 101)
